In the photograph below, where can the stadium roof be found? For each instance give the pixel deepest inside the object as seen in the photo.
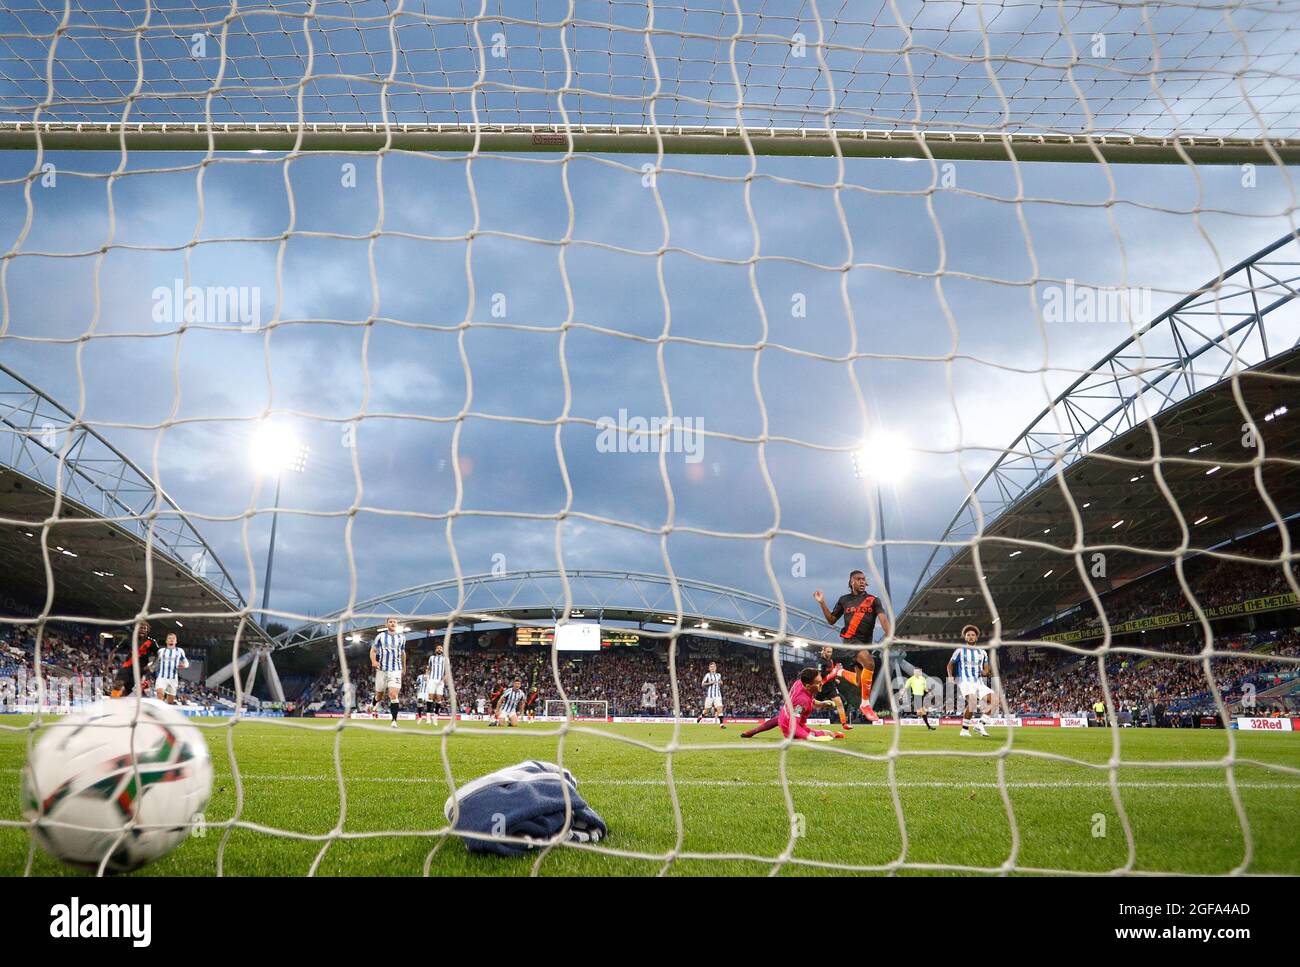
(538, 598)
(1189, 382)
(115, 544)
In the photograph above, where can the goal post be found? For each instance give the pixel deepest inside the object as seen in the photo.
(639, 139)
(584, 709)
(1070, 82)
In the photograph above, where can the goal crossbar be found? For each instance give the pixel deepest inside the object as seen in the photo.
(642, 139)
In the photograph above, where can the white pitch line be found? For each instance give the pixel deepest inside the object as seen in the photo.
(815, 783)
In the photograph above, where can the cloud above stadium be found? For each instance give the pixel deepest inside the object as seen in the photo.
(457, 332)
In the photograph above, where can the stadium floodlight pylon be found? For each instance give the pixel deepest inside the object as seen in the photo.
(1075, 81)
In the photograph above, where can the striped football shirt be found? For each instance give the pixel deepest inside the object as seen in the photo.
(389, 648)
(437, 668)
(712, 686)
(420, 687)
(170, 660)
(512, 700)
(970, 663)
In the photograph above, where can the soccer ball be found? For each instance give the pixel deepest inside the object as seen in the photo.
(97, 788)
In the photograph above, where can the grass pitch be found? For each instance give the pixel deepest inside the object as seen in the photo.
(733, 814)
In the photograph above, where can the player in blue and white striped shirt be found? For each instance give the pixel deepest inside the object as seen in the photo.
(712, 684)
(388, 658)
(419, 697)
(169, 660)
(435, 680)
(509, 704)
(972, 666)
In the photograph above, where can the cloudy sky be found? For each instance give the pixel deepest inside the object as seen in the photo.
(510, 295)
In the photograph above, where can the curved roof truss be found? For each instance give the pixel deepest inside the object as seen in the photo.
(49, 444)
(1225, 327)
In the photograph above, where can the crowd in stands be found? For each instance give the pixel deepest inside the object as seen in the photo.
(79, 657)
(1213, 581)
(1038, 681)
(67, 651)
(632, 681)
(1042, 686)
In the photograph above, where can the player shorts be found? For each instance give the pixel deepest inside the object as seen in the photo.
(713, 702)
(978, 689)
(437, 689)
(166, 685)
(386, 680)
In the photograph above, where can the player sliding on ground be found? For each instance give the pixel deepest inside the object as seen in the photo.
(972, 667)
(812, 684)
(859, 611)
(388, 659)
(803, 701)
(712, 683)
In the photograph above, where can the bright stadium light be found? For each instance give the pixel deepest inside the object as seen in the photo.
(883, 457)
(276, 448)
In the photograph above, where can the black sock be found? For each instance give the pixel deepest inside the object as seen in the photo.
(392, 707)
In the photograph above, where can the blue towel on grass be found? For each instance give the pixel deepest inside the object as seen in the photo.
(524, 800)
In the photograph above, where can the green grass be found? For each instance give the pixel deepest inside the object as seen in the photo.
(731, 801)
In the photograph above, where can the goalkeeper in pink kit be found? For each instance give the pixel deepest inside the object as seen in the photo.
(803, 700)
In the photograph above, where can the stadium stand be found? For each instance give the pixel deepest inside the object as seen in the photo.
(633, 681)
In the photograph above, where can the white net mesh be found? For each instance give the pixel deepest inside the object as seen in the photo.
(1197, 68)
(456, 332)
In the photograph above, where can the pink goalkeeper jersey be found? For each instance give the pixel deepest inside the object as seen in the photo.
(802, 701)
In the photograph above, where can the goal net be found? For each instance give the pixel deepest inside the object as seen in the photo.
(317, 314)
(578, 710)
